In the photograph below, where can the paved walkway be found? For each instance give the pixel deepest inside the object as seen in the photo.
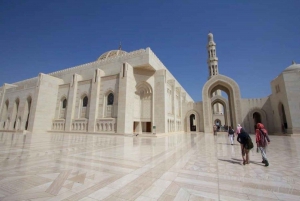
(176, 167)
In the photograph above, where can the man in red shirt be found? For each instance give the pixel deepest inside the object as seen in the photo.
(262, 140)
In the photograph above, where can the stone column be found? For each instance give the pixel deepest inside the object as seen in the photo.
(94, 99)
(160, 99)
(140, 126)
(125, 99)
(44, 103)
(71, 101)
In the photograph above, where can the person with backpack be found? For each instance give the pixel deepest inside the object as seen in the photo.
(262, 140)
(245, 140)
(231, 134)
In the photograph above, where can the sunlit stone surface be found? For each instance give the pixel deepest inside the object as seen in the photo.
(176, 167)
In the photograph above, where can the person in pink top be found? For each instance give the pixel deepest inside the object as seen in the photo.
(238, 129)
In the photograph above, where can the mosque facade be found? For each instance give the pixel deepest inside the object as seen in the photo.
(134, 93)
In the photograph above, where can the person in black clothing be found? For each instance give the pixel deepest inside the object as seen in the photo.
(231, 134)
(242, 139)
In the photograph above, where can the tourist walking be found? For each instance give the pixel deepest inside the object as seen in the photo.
(262, 140)
(238, 129)
(242, 138)
(231, 134)
(215, 129)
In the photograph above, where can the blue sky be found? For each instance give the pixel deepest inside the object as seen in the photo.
(256, 40)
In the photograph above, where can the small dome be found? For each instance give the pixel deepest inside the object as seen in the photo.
(111, 53)
(210, 37)
(293, 67)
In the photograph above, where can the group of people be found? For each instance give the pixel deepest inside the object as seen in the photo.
(261, 138)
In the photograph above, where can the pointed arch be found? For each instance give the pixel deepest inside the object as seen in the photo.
(192, 119)
(109, 99)
(223, 101)
(63, 107)
(227, 85)
(144, 86)
(143, 102)
(282, 116)
(15, 112)
(255, 115)
(5, 113)
(84, 105)
(27, 110)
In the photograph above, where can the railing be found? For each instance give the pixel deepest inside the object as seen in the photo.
(58, 124)
(79, 125)
(106, 125)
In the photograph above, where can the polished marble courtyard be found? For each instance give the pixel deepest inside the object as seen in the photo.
(54, 166)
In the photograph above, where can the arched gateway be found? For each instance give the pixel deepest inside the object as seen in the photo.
(229, 86)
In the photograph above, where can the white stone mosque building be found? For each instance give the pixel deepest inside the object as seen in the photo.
(133, 92)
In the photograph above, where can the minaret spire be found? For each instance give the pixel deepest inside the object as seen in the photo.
(213, 70)
(212, 60)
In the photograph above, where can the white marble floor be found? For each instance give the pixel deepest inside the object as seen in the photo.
(116, 168)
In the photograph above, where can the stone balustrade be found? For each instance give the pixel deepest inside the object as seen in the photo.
(58, 124)
(106, 125)
(79, 124)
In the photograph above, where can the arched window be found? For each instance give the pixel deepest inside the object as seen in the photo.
(109, 110)
(84, 110)
(85, 101)
(110, 99)
(28, 106)
(64, 104)
(15, 112)
(63, 107)
(4, 113)
(7, 104)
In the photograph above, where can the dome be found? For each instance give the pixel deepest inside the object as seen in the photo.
(293, 67)
(210, 37)
(111, 53)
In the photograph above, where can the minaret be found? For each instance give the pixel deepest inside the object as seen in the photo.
(212, 60)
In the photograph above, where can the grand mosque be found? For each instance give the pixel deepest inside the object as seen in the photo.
(134, 93)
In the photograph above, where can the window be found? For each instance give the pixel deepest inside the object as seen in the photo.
(62, 110)
(64, 104)
(109, 109)
(110, 99)
(84, 110)
(85, 101)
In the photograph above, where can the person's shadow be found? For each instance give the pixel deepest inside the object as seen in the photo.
(230, 161)
(228, 144)
(252, 162)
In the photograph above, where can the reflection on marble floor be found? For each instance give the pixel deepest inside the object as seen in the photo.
(176, 167)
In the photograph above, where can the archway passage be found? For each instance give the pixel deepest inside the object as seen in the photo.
(193, 126)
(223, 116)
(218, 122)
(231, 88)
(143, 102)
(192, 121)
(254, 116)
(256, 119)
(284, 124)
